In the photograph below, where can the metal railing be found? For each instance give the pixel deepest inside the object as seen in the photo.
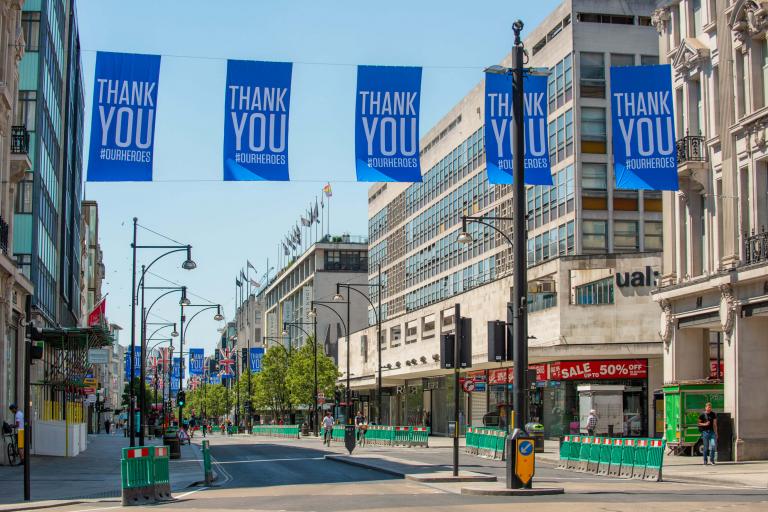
(19, 140)
(4, 231)
(756, 247)
(691, 148)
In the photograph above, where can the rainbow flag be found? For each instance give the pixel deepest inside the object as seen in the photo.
(327, 190)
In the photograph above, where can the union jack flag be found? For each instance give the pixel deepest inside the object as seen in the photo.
(226, 362)
(194, 383)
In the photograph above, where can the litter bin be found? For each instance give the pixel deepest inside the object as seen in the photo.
(171, 440)
(304, 429)
(536, 431)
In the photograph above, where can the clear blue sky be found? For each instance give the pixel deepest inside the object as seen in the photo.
(229, 222)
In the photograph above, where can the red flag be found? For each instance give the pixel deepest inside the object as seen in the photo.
(96, 316)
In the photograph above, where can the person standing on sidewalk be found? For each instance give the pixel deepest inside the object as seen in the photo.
(592, 422)
(708, 429)
(18, 420)
(328, 428)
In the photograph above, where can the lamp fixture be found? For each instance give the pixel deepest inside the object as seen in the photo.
(218, 316)
(464, 238)
(423, 359)
(184, 300)
(189, 263)
(312, 313)
(435, 357)
(285, 332)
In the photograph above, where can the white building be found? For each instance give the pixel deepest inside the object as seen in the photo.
(714, 284)
(583, 236)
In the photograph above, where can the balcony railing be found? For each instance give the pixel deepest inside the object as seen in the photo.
(3, 236)
(756, 248)
(691, 149)
(19, 140)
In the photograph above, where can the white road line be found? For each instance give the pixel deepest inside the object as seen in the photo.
(188, 493)
(268, 460)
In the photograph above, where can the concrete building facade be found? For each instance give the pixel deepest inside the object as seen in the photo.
(582, 235)
(714, 285)
(15, 287)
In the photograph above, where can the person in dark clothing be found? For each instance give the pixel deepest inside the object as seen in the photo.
(107, 424)
(708, 429)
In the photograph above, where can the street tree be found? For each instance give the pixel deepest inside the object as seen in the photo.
(300, 378)
(271, 391)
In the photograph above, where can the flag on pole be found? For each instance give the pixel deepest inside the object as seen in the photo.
(305, 222)
(255, 283)
(242, 275)
(285, 249)
(316, 213)
(250, 265)
(327, 190)
(99, 312)
(238, 283)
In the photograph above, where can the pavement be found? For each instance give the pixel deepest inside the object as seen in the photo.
(93, 474)
(267, 474)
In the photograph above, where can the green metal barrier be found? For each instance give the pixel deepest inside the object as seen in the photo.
(605, 456)
(615, 467)
(565, 452)
(470, 438)
(137, 476)
(338, 433)
(282, 431)
(161, 476)
(419, 436)
(573, 458)
(584, 450)
(594, 455)
(402, 436)
(627, 458)
(655, 460)
(640, 459)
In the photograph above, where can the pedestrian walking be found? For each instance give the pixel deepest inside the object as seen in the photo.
(327, 428)
(18, 420)
(708, 429)
(592, 422)
(106, 426)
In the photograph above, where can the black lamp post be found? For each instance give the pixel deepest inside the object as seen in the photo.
(313, 314)
(339, 298)
(204, 307)
(188, 264)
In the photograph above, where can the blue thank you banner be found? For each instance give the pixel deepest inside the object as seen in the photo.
(123, 117)
(196, 361)
(256, 354)
(499, 143)
(215, 378)
(387, 123)
(176, 368)
(136, 362)
(644, 149)
(256, 108)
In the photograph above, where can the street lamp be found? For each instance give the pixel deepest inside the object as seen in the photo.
(379, 286)
(203, 307)
(519, 277)
(313, 314)
(188, 264)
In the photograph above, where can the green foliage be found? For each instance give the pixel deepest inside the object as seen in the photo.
(149, 394)
(271, 391)
(300, 378)
(212, 400)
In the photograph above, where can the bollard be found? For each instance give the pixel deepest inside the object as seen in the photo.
(207, 463)
(136, 476)
(161, 476)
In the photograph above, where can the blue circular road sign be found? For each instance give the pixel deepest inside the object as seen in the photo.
(525, 448)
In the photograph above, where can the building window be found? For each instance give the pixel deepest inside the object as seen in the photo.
(764, 62)
(649, 60)
(24, 197)
(356, 261)
(622, 60)
(697, 17)
(594, 176)
(592, 69)
(625, 236)
(541, 300)
(594, 239)
(30, 25)
(653, 236)
(25, 113)
(593, 139)
(395, 333)
(561, 137)
(596, 292)
(561, 83)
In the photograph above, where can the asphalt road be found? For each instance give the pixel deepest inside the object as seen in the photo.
(258, 474)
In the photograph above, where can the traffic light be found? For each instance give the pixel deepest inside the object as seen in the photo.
(497, 341)
(448, 346)
(181, 398)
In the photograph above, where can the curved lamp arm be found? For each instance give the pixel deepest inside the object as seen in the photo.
(186, 326)
(312, 306)
(351, 287)
(185, 248)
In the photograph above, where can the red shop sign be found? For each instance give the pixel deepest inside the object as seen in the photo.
(603, 369)
(713, 368)
(498, 376)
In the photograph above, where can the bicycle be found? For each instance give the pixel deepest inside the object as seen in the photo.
(14, 457)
